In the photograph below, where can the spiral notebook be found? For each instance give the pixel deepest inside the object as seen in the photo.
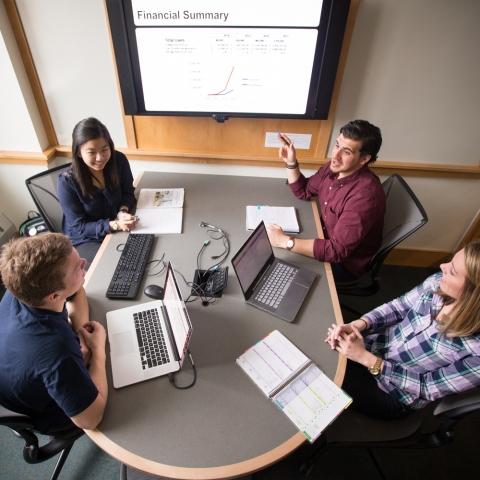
(294, 383)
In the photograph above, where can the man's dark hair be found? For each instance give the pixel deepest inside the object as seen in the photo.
(368, 134)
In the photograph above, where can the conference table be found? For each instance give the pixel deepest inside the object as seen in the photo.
(224, 426)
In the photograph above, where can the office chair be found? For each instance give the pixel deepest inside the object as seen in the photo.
(43, 189)
(404, 215)
(430, 427)
(22, 426)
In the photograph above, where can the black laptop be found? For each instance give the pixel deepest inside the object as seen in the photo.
(268, 283)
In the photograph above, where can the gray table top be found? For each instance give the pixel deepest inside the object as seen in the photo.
(223, 426)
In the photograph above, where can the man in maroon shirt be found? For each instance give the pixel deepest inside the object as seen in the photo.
(351, 200)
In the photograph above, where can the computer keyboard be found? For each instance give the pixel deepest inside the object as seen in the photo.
(275, 287)
(151, 341)
(131, 265)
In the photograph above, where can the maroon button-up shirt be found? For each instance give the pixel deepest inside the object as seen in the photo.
(352, 210)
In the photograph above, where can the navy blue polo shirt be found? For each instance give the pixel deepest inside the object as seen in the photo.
(42, 373)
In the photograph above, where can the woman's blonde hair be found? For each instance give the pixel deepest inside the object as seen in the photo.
(465, 317)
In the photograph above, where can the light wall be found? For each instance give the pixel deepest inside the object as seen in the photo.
(70, 45)
(20, 125)
(411, 69)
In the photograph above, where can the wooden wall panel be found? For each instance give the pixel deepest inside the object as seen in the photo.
(237, 137)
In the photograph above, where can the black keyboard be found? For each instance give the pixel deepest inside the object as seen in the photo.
(151, 341)
(131, 265)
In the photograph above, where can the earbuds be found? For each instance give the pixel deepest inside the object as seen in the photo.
(208, 225)
(206, 242)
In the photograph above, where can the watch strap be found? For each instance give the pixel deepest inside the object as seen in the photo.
(375, 369)
(290, 243)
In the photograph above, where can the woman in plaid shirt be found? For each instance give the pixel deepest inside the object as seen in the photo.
(419, 347)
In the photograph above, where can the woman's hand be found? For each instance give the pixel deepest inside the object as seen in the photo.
(333, 333)
(347, 340)
(124, 216)
(124, 222)
(351, 345)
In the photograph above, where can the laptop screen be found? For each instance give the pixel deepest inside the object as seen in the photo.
(177, 313)
(252, 257)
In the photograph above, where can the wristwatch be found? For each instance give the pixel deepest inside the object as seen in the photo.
(290, 243)
(375, 370)
(115, 226)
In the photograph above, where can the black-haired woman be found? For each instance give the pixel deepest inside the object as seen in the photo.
(96, 193)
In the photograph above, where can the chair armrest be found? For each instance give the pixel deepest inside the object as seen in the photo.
(456, 406)
(32, 452)
(14, 420)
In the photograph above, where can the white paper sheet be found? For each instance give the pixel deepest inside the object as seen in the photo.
(159, 220)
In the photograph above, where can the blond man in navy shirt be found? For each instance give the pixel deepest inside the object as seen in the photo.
(52, 357)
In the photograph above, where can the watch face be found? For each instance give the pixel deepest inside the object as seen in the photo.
(290, 244)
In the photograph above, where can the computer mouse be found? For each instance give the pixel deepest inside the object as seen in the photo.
(154, 291)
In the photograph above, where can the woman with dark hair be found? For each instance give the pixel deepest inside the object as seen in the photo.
(96, 193)
(419, 347)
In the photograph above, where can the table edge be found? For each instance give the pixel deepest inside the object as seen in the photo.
(227, 471)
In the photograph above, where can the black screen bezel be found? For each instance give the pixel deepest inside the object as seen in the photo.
(331, 31)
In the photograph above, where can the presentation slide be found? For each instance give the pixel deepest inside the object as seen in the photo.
(254, 70)
(227, 13)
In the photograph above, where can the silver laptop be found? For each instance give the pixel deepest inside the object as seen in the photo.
(151, 339)
(268, 283)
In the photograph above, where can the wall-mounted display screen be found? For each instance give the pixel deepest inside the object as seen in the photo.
(267, 58)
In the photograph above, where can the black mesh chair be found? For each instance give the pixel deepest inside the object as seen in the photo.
(23, 427)
(431, 427)
(43, 189)
(404, 215)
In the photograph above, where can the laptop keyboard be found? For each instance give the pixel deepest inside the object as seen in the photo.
(151, 341)
(274, 289)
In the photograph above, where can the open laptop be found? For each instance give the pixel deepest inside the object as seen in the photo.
(151, 339)
(268, 283)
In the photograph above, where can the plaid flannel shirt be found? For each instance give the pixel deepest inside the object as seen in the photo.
(420, 363)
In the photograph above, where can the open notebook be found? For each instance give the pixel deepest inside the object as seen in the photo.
(160, 210)
(294, 383)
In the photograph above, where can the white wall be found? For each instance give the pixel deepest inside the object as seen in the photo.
(413, 70)
(70, 45)
(20, 126)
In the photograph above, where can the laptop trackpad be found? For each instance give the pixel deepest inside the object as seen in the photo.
(124, 343)
(291, 303)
